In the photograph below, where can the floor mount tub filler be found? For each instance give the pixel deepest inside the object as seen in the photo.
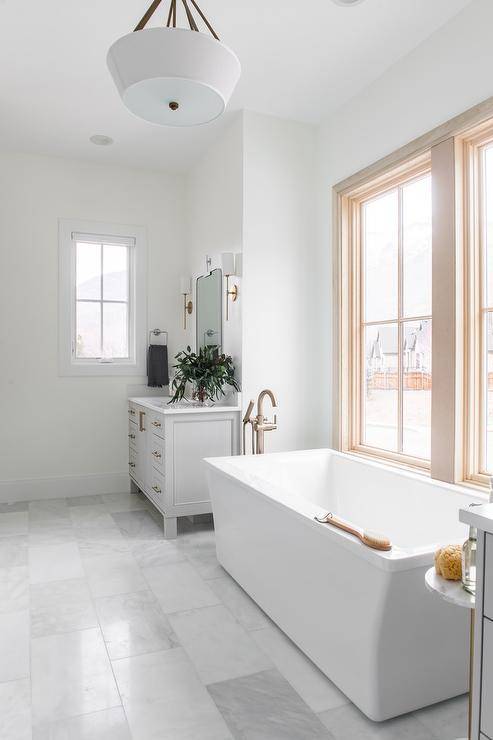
(364, 617)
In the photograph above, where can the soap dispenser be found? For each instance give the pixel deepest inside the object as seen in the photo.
(469, 549)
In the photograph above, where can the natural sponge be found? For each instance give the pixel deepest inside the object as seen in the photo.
(448, 562)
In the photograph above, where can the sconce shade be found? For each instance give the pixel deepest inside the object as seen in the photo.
(185, 286)
(228, 263)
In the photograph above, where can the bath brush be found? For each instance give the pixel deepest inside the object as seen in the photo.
(370, 539)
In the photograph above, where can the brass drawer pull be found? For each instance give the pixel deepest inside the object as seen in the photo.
(156, 454)
(156, 423)
(132, 465)
(141, 421)
(131, 436)
(157, 489)
(131, 412)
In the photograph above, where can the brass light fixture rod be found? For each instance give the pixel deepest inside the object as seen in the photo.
(171, 21)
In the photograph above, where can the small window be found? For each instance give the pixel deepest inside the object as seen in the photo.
(102, 299)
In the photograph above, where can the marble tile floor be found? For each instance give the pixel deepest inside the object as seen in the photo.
(109, 632)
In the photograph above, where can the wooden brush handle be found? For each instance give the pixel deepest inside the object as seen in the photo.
(343, 525)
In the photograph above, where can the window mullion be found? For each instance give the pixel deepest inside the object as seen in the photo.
(400, 375)
(101, 303)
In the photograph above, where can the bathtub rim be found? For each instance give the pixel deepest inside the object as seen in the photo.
(398, 559)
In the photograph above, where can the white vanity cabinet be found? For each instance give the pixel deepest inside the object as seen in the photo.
(482, 679)
(166, 446)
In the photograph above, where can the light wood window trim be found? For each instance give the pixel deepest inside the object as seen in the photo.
(351, 326)
(454, 464)
(472, 144)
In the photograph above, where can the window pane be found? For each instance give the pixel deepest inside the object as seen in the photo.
(488, 390)
(488, 208)
(115, 272)
(416, 403)
(380, 256)
(416, 247)
(88, 270)
(88, 323)
(115, 332)
(380, 402)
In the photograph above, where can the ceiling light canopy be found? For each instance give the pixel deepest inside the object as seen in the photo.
(174, 76)
(101, 140)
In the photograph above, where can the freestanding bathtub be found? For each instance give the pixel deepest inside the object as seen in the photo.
(363, 617)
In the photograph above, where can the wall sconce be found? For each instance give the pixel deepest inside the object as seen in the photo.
(186, 290)
(228, 263)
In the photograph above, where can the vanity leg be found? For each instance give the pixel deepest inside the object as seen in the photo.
(133, 487)
(169, 526)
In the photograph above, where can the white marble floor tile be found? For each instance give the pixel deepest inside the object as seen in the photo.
(14, 645)
(264, 706)
(10, 506)
(94, 516)
(164, 699)
(54, 562)
(134, 624)
(13, 550)
(246, 611)
(45, 534)
(179, 587)
(113, 574)
(85, 500)
(138, 525)
(97, 542)
(14, 588)
(61, 606)
(14, 523)
(15, 710)
(53, 513)
(109, 724)
(446, 720)
(71, 675)
(348, 722)
(150, 554)
(218, 646)
(115, 502)
(314, 688)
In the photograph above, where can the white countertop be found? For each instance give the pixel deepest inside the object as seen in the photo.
(162, 405)
(451, 591)
(478, 516)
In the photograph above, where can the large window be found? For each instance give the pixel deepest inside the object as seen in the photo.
(102, 273)
(387, 310)
(479, 306)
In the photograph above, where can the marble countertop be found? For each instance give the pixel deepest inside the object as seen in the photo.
(161, 404)
(478, 516)
(451, 591)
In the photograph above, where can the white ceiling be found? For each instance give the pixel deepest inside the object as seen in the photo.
(301, 59)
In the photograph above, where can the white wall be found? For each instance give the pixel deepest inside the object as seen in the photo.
(54, 426)
(448, 73)
(279, 346)
(214, 222)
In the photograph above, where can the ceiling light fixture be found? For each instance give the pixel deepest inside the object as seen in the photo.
(347, 2)
(101, 140)
(174, 76)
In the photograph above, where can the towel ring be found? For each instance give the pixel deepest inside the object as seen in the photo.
(157, 333)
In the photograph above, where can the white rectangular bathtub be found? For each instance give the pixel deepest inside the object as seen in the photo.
(363, 617)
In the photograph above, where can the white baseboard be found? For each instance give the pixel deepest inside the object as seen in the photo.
(29, 489)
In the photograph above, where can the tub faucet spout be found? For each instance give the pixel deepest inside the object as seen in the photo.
(261, 423)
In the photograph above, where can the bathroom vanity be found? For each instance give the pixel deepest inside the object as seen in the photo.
(167, 444)
(482, 680)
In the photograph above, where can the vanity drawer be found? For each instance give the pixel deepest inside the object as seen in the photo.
(156, 423)
(132, 434)
(157, 488)
(133, 464)
(487, 679)
(132, 412)
(157, 453)
(488, 576)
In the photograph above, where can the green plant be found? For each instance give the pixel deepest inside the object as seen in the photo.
(208, 372)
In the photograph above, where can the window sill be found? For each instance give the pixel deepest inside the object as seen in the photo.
(101, 369)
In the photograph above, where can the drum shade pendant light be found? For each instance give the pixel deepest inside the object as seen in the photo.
(174, 76)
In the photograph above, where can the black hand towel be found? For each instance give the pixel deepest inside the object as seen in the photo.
(157, 366)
